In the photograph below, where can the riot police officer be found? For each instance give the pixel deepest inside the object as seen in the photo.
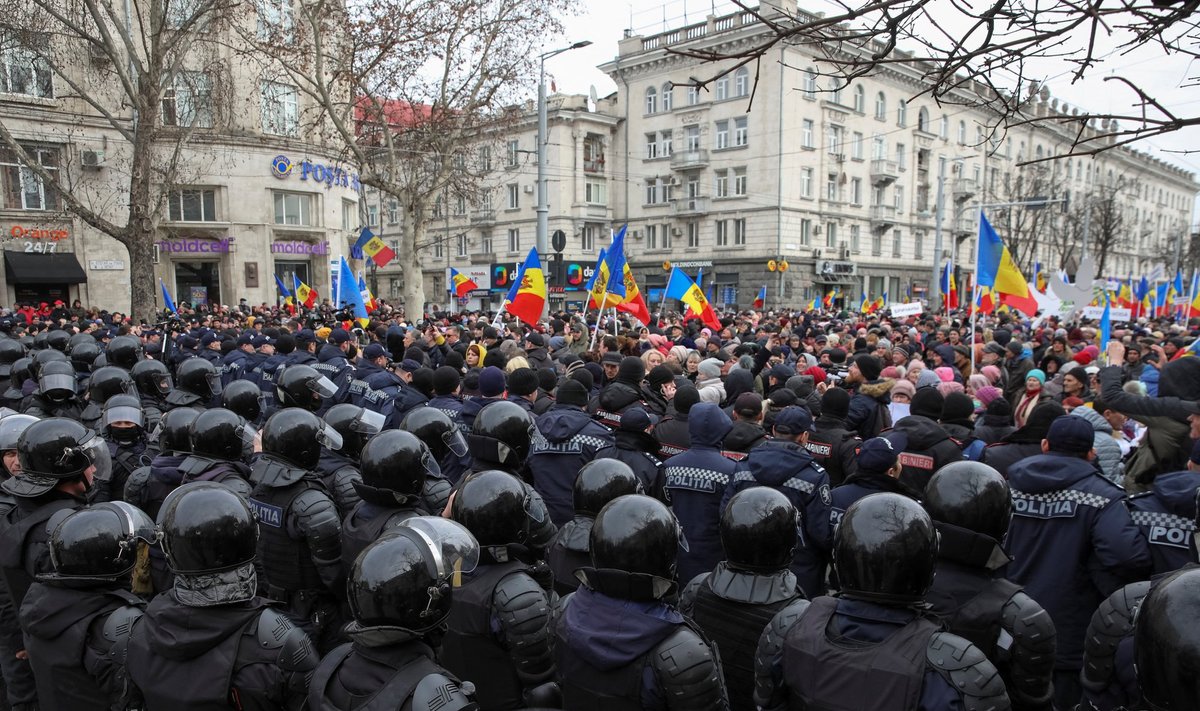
(300, 548)
(148, 487)
(211, 642)
(18, 677)
(103, 384)
(196, 385)
(77, 619)
(735, 603)
(598, 482)
(498, 634)
(635, 542)
(1168, 651)
(971, 506)
(825, 652)
(220, 444)
(302, 386)
(55, 396)
(124, 429)
(153, 382)
(444, 438)
(394, 465)
(125, 352)
(400, 591)
(244, 398)
(339, 468)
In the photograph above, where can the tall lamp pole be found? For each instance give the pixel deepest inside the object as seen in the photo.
(543, 199)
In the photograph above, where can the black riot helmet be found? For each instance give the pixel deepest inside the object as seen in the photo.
(436, 430)
(99, 543)
(634, 542)
(59, 340)
(124, 408)
(355, 424)
(302, 386)
(84, 355)
(885, 550)
(599, 482)
(502, 434)
(78, 339)
(152, 378)
(296, 436)
(56, 450)
(11, 429)
(1167, 645)
(125, 352)
(495, 507)
(759, 530)
(21, 371)
(174, 429)
(42, 357)
(970, 495)
(10, 352)
(108, 381)
(39, 341)
(207, 528)
(394, 465)
(57, 380)
(243, 397)
(198, 377)
(220, 434)
(405, 579)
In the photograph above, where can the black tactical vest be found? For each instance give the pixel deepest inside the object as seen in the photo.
(358, 531)
(586, 688)
(824, 675)
(285, 563)
(18, 540)
(971, 608)
(470, 650)
(734, 628)
(390, 697)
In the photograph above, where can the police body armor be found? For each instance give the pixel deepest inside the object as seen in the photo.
(429, 687)
(17, 539)
(232, 474)
(469, 648)
(976, 618)
(734, 627)
(365, 524)
(569, 553)
(822, 675)
(286, 563)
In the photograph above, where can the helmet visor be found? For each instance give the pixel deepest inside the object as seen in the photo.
(456, 442)
(329, 437)
(214, 384)
(454, 549)
(137, 525)
(429, 463)
(368, 422)
(247, 434)
(11, 427)
(57, 382)
(322, 386)
(683, 541)
(135, 415)
(96, 451)
(163, 384)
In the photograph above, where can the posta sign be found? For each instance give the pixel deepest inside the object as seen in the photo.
(283, 168)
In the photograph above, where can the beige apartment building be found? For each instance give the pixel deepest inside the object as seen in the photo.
(258, 192)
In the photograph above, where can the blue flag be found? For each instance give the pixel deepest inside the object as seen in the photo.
(678, 284)
(167, 300)
(596, 272)
(283, 290)
(1105, 323)
(616, 264)
(348, 294)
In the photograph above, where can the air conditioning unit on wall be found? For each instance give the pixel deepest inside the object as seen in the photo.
(91, 159)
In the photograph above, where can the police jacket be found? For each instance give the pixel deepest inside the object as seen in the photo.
(788, 468)
(696, 484)
(366, 522)
(338, 473)
(38, 406)
(263, 375)
(1167, 517)
(733, 607)
(241, 655)
(301, 356)
(396, 398)
(657, 661)
(929, 448)
(744, 436)
(639, 450)
(868, 414)
(568, 440)
(404, 676)
(1010, 628)
(25, 540)
(76, 639)
(860, 484)
(671, 432)
(570, 552)
(471, 407)
(833, 447)
(1072, 542)
(808, 655)
(332, 363)
(237, 364)
(148, 487)
(357, 389)
(234, 475)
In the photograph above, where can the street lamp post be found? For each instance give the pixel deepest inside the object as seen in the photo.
(543, 199)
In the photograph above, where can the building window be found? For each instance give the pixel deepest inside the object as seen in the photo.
(439, 251)
(856, 146)
(722, 233)
(897, 242)
(514, 240)
(651, 145)
(899, 198)
(668, 96)
(806, 182)
(835, 95)
(372, 215)
(274, 18)
(587, 238)
(878, 147)
(192, 205)
(23, 189)
(722, 135)
(693, 233)
(831, 235)
(460, 205)
(692, 134)
(741, 82)
(860, 99)
(595, 192)
(693, 95)
(901, 156)
(831, 187)
(22, 71)
(810, 83)
(657, 191)
(666, 236)
(485, 242)
(651, 100)
(739, 232)
(296, 209)
(962, 133)
(462, 245)
(902, 114)
(393, 212)
(651, 237)
(739, 182)
(721, 186)
(188, 101)
(806, 133)
(855, 238)
(833, 137)
(485, 158)
(880, 107)
(514, 196)
(856, 191)
(944, 128)
(512, 152)
(923, 119)
(805, 232)
(919, 245)
(722, 88)
(876, 244)
(349, 215)
(280, 109)
(741, 131)
(485, 199)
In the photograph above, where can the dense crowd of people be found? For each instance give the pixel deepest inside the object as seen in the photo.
(248, 508)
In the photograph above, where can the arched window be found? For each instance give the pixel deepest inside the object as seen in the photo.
(741, 82)
(944, 128)
(1039, 153)
(902, 114)
(835, 95)
(860, 99)
(923, 120)
(962, 133)
(651, 100)
(810, 83)
(668, 96)
(881, 107)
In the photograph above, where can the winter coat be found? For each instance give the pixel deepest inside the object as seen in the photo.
(1108, 452)
(869, 415)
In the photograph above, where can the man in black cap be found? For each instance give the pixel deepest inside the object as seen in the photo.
(831, 444)
(636, 447)
(535, 351)
(238, 361)
(868, 415)
(1072, 541)
(747, 432)
(493, 387)
(1016, 369)
(611, 363)
(929, 447)
(306, 348)
(523, 387)
(877, 469)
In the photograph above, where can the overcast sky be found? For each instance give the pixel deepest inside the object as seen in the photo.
(604, 22)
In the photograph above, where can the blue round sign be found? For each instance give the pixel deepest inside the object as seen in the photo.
(281, 166)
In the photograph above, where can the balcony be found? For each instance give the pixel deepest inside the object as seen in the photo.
(964, 189)
(883, 216)
(690, 207)
(966, 225)
(483, 217)
(689, 160)
(884, 172)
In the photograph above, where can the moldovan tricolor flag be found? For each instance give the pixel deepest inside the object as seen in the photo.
(998, 272)
(530, 299)
(306, 296)
(680, 286)
(374, 248)
(761, 300)
(461, 284)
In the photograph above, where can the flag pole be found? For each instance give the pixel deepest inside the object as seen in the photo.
(974, 285)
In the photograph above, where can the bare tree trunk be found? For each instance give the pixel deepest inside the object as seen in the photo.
(413, 288)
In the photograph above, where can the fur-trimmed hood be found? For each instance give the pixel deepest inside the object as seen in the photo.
(879, 389)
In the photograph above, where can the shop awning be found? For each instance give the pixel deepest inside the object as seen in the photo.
(33, 268)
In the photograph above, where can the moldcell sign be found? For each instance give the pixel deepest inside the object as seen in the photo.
(299, 248)
(282, 167)
(195, 246)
